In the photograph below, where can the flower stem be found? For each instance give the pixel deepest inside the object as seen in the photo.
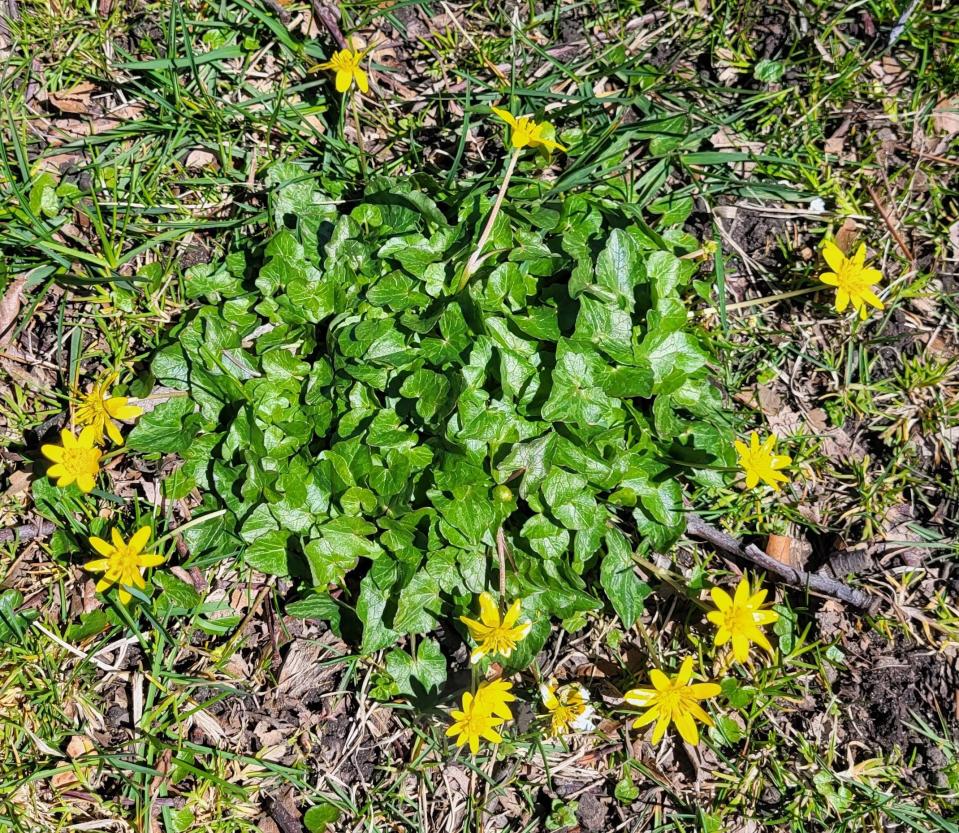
(476, 258)
(359, 135)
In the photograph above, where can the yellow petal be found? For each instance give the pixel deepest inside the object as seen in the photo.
(344, 78)
(361, 80)
(721, 599)
(699, 713)
(478, 653)
(505, 115)
(660, 729)
(765, 617)
(752, 479)
(829, 278)
(722, 635)
(742, 448)
(687, 728)
(88, 437)
(703, 691)
(101, 546)
(842, 299)
(860, 257)
(104, 583)
(740, 647)
(117, 538)
(151, 559)
(52, 452)
(659, 680)
(67, 439)
(834, 256)
(870, 297)
(118, 408)
(477, 630)
(685, 671)
(512, 614)
(86, 482)
(741, 596)
(639, 696)
(98, 565)
(489, 613)
(646, 718)
(124, 596)
(113, 432)
(139, 539)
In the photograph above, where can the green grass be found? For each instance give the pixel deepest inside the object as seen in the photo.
(106, 244)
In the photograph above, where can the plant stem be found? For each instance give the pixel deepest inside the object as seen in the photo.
(501, 552)
(359, 135)
(476, 258)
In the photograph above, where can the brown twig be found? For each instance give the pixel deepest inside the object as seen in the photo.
(792, 576)
(328, 17)
(887, 218)
(26, 532)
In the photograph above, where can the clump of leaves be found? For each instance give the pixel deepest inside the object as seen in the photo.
(369, 427)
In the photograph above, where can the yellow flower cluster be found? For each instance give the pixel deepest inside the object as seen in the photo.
(677, 699)
(77, 460)
(482, 714)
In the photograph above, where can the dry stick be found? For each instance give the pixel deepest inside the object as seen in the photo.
(801, 579)
(887, 218)
(26, 532)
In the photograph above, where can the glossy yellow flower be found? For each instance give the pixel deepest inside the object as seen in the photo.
(481, 715)
(527, 133)
(674, 701)
(76, 460)
(761, 462)
(346, 65)
(853, 281)
(123, 562)
(98, 410)
(568, 706)
(739, 618)
(495, 635)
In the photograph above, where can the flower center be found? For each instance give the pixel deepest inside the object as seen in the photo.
(344, 61)
(523, 131)
(849, 277)
(736, 618)
(125, 560)
(80, 460)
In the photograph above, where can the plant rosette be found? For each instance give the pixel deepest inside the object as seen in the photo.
(357, 415)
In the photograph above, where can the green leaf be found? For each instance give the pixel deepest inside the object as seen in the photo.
(165, 429)
(544, 537)
(420, 676)
(176, 591)
(320, 816)
(618, 266)
(372, 606)
(317, 606)
(624, 589)
(418, 605)
(268, 554)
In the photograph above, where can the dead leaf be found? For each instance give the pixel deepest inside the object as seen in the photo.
(10, 306)
(199, 158)
(890, 73)
(781, 548)
(79, 745)
(945, 118)
(846, 236)
(75, 100)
